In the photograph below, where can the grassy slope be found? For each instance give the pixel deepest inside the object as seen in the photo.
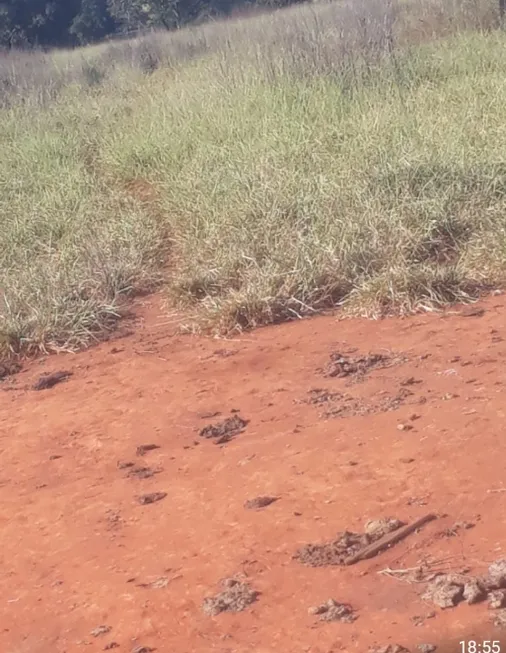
(289, 174)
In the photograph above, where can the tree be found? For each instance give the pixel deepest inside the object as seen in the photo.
(144, 14)
(92, 22)
(36, 22)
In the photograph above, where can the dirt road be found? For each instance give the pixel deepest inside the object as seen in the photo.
(336, 436)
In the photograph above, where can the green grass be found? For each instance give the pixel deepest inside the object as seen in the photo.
(286, 166)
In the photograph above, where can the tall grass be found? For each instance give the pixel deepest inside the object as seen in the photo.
(261, 169)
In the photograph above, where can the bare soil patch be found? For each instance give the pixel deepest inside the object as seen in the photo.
(103, 558)
(331, 610)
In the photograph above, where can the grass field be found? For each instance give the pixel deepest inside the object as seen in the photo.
(258, 169)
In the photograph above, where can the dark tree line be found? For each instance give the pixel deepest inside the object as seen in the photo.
(53, 23)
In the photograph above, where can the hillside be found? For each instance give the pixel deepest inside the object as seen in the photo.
(259, 170)
(174, 479)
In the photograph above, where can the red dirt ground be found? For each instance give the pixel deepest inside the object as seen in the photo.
(76, 545)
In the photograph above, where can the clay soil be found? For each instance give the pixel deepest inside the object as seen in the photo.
(87, 566)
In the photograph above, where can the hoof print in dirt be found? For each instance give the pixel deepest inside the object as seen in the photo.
(152, 497)
(100, 630)
(225, 430)
(347, 546)
(143, 449)
(47, 381)
(389, 648)
(236, 597)
(109, 647)
(426, 648)
(333, 611)
(259, 502)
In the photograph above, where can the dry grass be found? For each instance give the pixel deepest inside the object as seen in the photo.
(331, 154)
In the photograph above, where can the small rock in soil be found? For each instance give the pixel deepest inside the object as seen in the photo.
(419, 620)
(236, 597)
(159, 583)
(474, 592)
(404, 427)
(143, 449)
(497, 573)
(259, 502)
(333, 611)
(410, 381)
(376, 528)
(225, 430)
(143, 649)
(209, 414)
(497, 599)
(389, 648)
(100, 630)
(152, 497)
(142, 472)
(125, 465)
(444, 593)
(318, 396)
(426, 648)
(47, 381)
(500, 619)
(109, 647)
